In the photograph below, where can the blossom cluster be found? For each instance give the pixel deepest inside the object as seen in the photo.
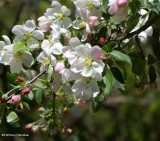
(77, 64)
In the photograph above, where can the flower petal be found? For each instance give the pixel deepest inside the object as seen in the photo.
(32, 43)
(38, 34)
(15, 65)
(27, 59)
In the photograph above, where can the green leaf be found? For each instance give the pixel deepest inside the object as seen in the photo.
(132, 22)
(39, 96)
(19, 47)
(13, 119)
(26, 105)
(138, 66)
(108, 80)
(96, 104)
(143, 2)
(104, 6)
(12, 78)
(121, 57)
(30, 96)
(152, 74)
(117, 74)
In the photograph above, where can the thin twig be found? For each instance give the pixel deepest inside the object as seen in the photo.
(144, 27)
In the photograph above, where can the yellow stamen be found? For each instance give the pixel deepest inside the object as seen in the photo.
(88, 62)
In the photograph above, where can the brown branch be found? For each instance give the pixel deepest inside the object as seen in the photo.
(144, 27)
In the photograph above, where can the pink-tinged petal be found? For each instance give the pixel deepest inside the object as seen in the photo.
(113, 9)
(122, 3)
(83, 51)
(96, 52)
(121, 14)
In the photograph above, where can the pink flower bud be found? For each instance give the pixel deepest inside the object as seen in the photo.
(59, 67)
(122, 3)
(20, 107)
(4, 98)
(28, 126)
(80, 102)
(102, 56)
(102, 40)
(93, 21)
(15, 99)
(26, 91)
(69, 131)
(20, 79)
(44, 23)
(34, 129)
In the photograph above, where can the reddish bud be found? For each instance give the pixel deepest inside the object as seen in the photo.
(34, 129)
(69, 131)
(26, 91)
(28, 126)
(102, 56)
(20, 107)
(80, 102)
(102, 40)
(4, 98)
(15, 99)
(20, 79)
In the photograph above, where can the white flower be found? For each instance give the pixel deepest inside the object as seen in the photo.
(16, 60)
(59, 14)
(51, 46)
(27, 32)
(85, 88)
(46, 60)
(87, 62)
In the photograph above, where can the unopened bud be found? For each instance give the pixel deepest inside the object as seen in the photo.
(102, 40)
(59, 67)
(20, 107)
(34, 129)
(20, 79)
(102, 56)
(80, 102)
(69, 131)
(4, 98)
(15, 99)
(26, 91)
(28, 126)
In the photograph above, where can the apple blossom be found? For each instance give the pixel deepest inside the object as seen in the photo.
(27, 32)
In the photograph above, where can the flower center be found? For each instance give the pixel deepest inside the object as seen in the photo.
(17, 55)
(59, 16)
(89, 5)
(46, 61)
(28, 36)
(83, 24)
(88, 62)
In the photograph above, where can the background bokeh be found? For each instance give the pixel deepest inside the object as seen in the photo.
(125, 116)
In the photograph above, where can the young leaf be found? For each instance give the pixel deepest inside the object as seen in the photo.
(121, 57)
(117, 74)
(39, 96)
(19, 47)
(30, 96)
(26, 105)
(13, 119)
(108, 80)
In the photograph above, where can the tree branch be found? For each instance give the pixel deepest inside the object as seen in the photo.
(144, 27)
